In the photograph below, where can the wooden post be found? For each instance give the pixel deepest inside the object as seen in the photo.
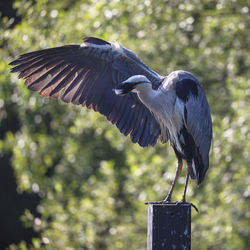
(169, 226)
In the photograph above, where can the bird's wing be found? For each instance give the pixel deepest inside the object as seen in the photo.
(197, 119)
(85, 75)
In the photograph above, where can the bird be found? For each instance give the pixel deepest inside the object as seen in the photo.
(110, 79)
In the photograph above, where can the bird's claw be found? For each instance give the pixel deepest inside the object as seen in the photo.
(185, 202)
(167, 200)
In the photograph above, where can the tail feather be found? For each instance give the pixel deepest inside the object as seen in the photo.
(198, 168)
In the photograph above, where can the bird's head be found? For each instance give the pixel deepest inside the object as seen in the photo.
(131, 84)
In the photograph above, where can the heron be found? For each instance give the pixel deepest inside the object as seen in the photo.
(110, 79)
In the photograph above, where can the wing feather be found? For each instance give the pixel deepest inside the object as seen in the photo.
(62, 73)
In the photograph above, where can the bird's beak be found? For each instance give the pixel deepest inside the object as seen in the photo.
(124, 88)
(120, 91)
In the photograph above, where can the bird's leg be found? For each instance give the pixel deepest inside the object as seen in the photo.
(184, 194)
(178, 172)
(185, 189)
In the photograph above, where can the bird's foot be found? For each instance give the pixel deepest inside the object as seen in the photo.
(167, 200)
(183, 201)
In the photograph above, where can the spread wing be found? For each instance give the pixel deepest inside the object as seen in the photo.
(85, 75)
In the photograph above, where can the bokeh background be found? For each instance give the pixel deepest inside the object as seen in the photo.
(69, 179)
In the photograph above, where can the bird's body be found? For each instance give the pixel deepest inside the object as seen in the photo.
(170, 111)
(143, 104)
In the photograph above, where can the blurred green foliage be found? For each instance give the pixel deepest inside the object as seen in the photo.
(92, 180)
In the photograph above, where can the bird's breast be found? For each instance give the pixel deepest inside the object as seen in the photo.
(168, 111)
(174, 121)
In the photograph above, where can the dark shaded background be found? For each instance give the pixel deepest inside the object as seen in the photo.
(13, 204)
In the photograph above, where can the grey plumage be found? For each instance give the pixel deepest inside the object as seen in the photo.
(110, 79)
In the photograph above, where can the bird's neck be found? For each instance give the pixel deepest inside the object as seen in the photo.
(145, 93)
(160, 102)
(143, 88)
(155, 100)
(150, 98)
